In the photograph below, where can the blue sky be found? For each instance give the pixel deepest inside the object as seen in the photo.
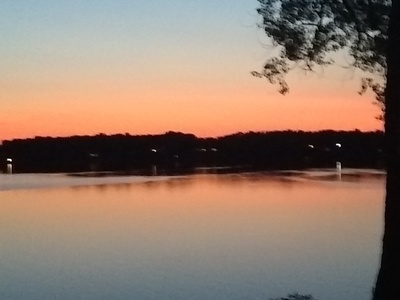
(84, 67)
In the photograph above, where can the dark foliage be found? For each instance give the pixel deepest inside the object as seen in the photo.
(296, 296)
(178, 151)
(308, 32)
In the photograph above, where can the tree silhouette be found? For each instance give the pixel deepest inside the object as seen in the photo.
(307, 32)
(296, 296)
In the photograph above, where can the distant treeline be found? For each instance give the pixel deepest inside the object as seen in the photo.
(179, 151)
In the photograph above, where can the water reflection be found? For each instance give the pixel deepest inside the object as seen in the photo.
(235, 236)
(9, 166)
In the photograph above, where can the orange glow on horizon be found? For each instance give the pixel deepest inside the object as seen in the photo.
(206, 112)
(85, 76)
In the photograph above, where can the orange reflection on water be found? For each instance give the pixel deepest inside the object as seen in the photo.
(266, 228)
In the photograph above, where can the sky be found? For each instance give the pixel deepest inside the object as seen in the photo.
(84, 67)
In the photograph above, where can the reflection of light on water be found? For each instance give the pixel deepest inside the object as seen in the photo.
(339, 170)
(154, 170)
(9, 166)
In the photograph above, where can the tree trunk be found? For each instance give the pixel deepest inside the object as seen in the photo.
(388, 281)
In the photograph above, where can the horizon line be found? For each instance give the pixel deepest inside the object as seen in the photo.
(186, 133)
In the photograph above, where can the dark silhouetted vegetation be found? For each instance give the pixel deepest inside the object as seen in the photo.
(177, 152)
(307, 32)
(296, 296)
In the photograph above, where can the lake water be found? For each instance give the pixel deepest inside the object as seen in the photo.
(204, 236)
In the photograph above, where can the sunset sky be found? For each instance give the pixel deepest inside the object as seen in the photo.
(76, 67)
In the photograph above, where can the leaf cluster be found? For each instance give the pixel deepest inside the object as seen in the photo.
(307, 32)
(379, 90)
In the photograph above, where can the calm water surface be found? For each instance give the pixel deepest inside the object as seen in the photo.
(237, 236)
